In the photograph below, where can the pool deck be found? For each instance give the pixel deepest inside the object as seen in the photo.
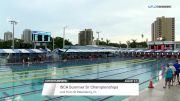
(158, 93)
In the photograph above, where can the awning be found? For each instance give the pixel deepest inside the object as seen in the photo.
(87, 50)
(2, 51)
(48, 50)
(159, 51)
(17, 51)
(36, 50)
(139, 51)
(168, 51)
(24, 51)
(124, 50)
(147, 51)
(21, 51)
(131, 51)
(9, 51)
(176, 51)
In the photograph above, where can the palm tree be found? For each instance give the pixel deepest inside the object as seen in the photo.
(107, 41)
(142, 35)
(134, 43)
(128, 43)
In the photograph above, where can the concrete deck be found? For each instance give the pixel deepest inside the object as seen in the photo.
(158, 93)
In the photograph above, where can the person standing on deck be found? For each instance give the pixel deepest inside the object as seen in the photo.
(177, 66)
(168, 76)
(173, 70)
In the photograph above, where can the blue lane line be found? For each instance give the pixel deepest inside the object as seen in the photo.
(5, 94)
(12, 87)
(120, 73)
(24, 94)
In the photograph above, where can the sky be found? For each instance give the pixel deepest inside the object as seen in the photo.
(116, 20)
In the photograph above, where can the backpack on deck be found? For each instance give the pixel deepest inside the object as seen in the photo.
(169, 73)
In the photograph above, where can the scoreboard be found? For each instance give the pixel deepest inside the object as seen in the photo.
(40, 36)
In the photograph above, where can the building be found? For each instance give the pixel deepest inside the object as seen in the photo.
(164, 45)
(161, 45)
(27, 36)
(163, 29)
(7, 36)
(86, 37)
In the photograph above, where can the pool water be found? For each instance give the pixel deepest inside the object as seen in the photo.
(26, 81)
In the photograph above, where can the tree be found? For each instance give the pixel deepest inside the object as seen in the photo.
(133, 44)
(163, 39)
(101, 43)
(113, 44)
(142, 35)
(58, 41)
(19, 44)
(123, 46)
(67, 42)
(142, 44)
(6, 44)
(107, 41)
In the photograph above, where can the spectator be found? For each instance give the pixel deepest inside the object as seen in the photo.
(173, 70)
(177, 66)
(168, 76)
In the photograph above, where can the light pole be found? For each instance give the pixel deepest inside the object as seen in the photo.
(64, 32)
(98, 36)
(13, 22)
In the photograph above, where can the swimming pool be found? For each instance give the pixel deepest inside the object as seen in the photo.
(26, 80)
